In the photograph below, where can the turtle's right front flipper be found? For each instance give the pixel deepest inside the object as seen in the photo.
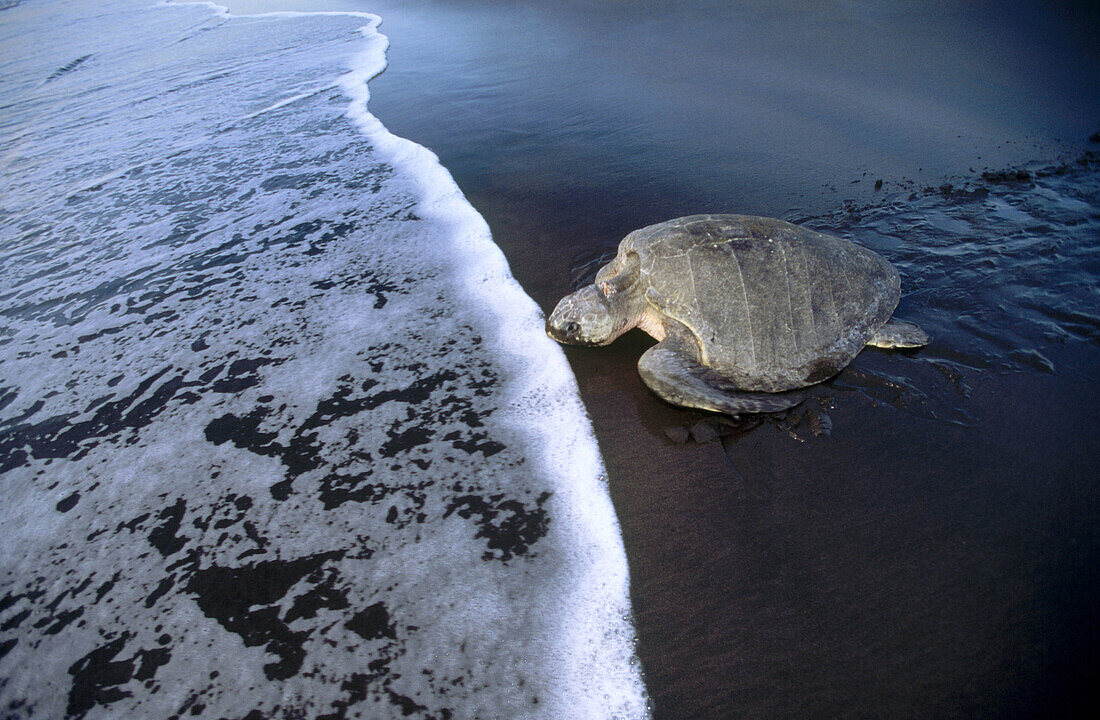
(898, 334)
(672, 371)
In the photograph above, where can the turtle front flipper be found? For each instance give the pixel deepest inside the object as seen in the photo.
(898, 334)
(673, 372)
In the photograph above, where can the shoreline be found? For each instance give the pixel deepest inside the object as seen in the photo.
(403, 506)
(774, 572)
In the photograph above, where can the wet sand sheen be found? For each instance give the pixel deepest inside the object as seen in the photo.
(902, 565)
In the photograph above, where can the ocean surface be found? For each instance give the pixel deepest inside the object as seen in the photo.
(280, 436)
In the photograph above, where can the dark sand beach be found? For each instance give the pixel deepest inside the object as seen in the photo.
(934, 554)
(917, 539)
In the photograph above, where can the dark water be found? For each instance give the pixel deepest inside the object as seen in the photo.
(919, 539)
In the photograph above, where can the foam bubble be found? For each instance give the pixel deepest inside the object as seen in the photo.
(279, 432)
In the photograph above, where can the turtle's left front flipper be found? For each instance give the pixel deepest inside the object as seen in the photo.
(671, 370)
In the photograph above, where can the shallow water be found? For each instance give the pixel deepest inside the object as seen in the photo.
(279, 434)
(746, 105)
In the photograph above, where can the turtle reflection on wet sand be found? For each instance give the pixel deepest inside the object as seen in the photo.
(746, 310)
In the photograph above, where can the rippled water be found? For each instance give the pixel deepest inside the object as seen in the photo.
(1004, 273)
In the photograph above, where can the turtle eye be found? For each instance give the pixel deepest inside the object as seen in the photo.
(571, 328)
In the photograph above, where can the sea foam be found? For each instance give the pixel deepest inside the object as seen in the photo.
(279, 433)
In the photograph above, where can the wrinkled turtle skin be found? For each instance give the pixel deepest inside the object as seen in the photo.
(743, 306)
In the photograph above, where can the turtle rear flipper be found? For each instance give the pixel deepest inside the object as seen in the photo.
(898, 334)
(672, 372)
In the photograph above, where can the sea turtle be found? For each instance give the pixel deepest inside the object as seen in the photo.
(745, 309)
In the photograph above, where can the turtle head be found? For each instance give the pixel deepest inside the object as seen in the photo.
(598, 313)
(584, 318)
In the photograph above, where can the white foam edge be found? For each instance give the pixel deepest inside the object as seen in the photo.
(598, 601)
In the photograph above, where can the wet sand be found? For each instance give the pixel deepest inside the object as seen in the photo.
(912, 562)
(901, 565)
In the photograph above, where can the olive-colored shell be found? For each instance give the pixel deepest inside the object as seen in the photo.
(773, 306)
